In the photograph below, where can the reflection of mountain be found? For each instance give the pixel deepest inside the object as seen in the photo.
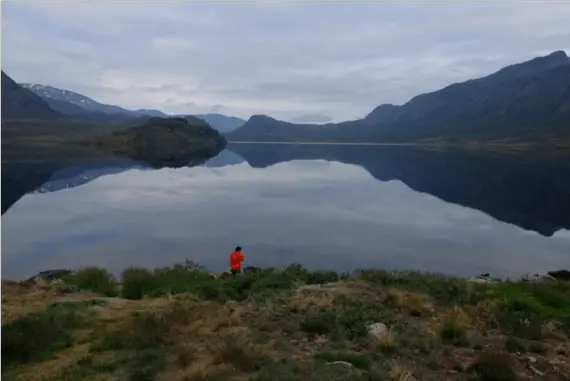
(79, 175)
(224, 158)
(62, 169)
(530, 192)
(23, 173)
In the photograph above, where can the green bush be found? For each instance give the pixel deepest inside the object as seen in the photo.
(35, 337)
(138, 282)
(93, 279)
(454, 333)
(320, 323)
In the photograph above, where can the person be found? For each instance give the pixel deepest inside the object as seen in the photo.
(236, 258)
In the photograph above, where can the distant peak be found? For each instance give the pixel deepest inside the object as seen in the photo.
(559, 54)
(260, 117)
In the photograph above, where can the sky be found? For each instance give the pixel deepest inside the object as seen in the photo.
(297, 61)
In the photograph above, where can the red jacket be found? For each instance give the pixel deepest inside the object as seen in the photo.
(235, 260)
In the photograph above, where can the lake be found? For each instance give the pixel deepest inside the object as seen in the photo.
(325, 207)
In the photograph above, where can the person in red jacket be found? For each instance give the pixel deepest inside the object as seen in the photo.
(236, 258)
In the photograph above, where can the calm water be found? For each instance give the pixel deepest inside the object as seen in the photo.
(324, 207)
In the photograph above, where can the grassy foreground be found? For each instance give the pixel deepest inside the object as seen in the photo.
(283, 324)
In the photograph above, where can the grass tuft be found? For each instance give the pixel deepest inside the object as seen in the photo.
(242, 354)
(452, 332)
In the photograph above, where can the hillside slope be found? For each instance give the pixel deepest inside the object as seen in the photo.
(526, 101)
(21, 103)
(72, 103)
(222, 123)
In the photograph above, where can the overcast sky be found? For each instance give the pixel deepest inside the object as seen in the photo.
(294, 61)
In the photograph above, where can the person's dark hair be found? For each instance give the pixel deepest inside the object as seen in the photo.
(238, 248)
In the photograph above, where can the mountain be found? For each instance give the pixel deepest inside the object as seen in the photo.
(525, 101)
(504, 186)
(222, 123)
(74, 104)
(18, 102)
(79, 106)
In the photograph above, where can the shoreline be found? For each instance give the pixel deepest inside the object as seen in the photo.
(490, 145)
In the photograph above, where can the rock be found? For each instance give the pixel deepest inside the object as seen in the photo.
(327, 287)
(536, 371)
(478, 280)
(377, 330)
(251, 269)
(343, 363)
(484, 278)
(53, 274)
(560, 274)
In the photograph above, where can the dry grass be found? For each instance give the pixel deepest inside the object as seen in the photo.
(291, 336)
(385, 343)
(413, 303)
(400, 373)
(302, 303)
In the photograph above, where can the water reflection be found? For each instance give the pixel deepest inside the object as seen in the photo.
(318, 212)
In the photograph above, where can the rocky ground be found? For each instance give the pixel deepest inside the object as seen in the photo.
(290, 324)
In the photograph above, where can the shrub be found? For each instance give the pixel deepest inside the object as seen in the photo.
(138, 282)
(93, 279)
(513, 344)
(35, 337)
(454, 333)
(239, 352)
(320, 323)
(493, 366)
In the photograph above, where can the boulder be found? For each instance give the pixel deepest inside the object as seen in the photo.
(377, 330)
(560, 274)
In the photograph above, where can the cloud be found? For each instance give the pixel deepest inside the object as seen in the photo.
(280, 58)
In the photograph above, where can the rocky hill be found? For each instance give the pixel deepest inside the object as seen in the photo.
(163, 141)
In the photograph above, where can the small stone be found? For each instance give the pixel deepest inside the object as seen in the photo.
(294, 341)
(478, 280)
(377, 330)
(531, 359)
(343, 363)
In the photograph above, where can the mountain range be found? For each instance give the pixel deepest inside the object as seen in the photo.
(529, 101)
(35, 101)
(521, 101)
